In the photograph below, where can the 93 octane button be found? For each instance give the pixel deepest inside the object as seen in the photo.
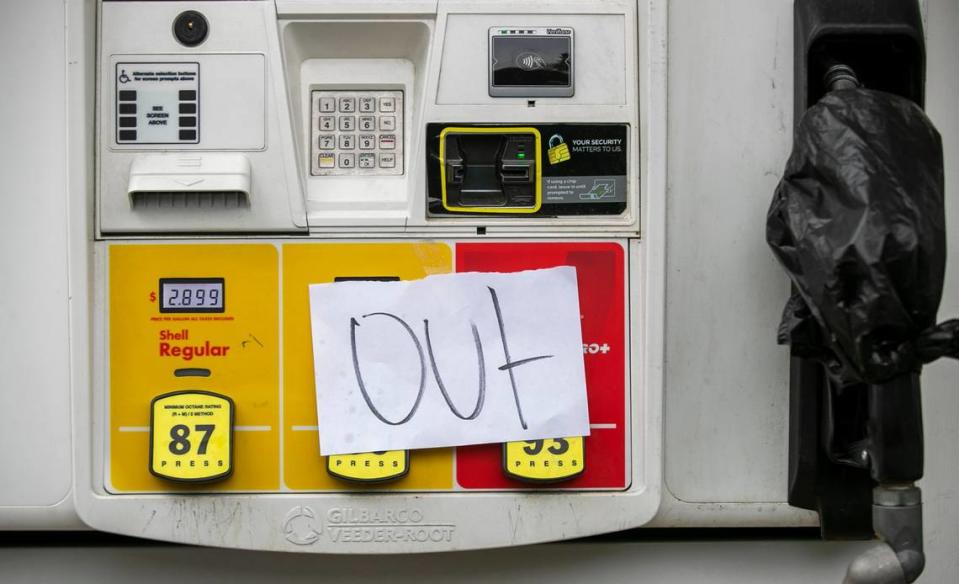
(191, 436)
(544, 461)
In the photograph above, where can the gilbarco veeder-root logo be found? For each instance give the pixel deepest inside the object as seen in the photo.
(349, 525)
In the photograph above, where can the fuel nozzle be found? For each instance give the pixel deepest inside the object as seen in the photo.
(862, 196)
(840, 76)
(897, 519)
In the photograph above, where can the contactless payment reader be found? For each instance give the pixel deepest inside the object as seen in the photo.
(531, 61)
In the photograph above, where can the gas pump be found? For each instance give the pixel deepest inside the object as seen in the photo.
(248, 150)
(202, 164)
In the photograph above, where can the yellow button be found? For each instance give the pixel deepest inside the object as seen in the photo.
(369, 467)
(191, 436)
(551, 460)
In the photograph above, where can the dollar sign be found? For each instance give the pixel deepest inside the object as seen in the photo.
(153, 296)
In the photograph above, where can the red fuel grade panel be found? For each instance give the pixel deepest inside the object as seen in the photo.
(601, 277)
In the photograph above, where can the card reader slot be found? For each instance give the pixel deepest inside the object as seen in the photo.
(515, 173)
(490, 169)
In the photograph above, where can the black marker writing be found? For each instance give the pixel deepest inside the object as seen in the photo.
(481, 364)
(510, 364)
(359, 376)
(508, 367)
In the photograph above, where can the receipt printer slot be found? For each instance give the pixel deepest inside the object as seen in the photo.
(491, 170)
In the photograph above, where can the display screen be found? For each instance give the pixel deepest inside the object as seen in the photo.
(192, 295)
(531, 61)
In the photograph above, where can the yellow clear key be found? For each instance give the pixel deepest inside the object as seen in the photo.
(191, 436)
(369, 467)
(544, 461)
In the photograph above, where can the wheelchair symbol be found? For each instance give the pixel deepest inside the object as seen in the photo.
(124, 78)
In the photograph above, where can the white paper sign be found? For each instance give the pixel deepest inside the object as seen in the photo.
(448, 360)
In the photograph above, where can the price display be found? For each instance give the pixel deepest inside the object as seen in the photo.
(192, 295)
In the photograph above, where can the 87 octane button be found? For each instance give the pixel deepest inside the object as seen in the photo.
(191, 436)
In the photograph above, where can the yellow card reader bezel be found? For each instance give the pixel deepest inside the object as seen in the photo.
(538, 196)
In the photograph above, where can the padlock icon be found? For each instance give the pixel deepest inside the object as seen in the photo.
(558, 150)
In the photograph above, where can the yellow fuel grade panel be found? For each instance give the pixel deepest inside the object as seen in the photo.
(163, 340)
(303, 467)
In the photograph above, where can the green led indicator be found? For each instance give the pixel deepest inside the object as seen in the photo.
(521, 155)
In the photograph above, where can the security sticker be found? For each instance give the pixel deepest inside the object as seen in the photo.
(558, 150)
(191, 436)
(552, 460)
(370, 467)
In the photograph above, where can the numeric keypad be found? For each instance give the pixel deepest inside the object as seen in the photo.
(356, 133)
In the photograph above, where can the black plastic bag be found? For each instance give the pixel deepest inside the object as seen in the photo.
(858, 224)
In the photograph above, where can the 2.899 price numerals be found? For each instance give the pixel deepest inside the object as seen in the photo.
(193, 297)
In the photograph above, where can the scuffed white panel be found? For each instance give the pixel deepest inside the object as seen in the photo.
(730, 117)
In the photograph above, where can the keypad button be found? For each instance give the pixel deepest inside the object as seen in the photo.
(347, 105)
(388, 104)
(367, 123)
(347, 141)
(367, 142)
(387, 141)
(347, 160)
(347, 123)
(368, 160)
(388, 123)
(327, 105)
(327, 142)
(327, 160)
(387, 160)
(327, 123)
(367, 104)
